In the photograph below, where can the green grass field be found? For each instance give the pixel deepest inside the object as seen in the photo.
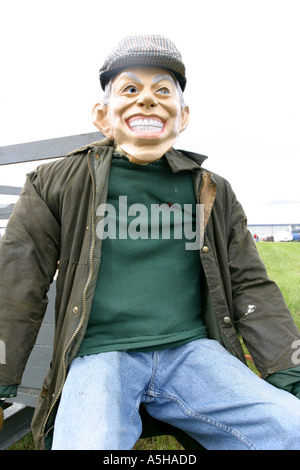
(282, 261)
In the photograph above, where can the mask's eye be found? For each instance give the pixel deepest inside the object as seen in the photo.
(131, 89)
(164, 91)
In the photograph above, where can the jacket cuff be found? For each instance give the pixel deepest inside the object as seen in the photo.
(288, 380)
(8, 391)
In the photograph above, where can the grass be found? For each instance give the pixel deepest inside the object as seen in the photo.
(158, 443)
(24, 444)
(282, 261)
(152, 443)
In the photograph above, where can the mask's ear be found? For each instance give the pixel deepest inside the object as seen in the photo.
(185, 117)
(100, 120)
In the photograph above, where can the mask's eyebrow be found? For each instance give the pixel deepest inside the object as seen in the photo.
(160, 78)
(131, 75)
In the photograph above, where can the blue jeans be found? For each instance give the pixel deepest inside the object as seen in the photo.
(198, 387)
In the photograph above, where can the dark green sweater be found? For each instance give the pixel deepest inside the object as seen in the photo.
(148, 293)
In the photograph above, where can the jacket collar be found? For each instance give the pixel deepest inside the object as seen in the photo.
(179, 160)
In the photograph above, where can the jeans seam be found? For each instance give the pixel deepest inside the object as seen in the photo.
(135, 411)
(150, 387)
(147, 392)
(211, 421)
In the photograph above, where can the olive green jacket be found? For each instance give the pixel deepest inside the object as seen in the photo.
(55, 221)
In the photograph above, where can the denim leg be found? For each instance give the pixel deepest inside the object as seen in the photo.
(198, 387)
(99, 405)
(204, 390)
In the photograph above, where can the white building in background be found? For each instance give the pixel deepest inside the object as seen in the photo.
(279, 232)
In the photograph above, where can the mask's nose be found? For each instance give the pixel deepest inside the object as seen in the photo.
(147, 100)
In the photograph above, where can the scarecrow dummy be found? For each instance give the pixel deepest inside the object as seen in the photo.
(158, 281)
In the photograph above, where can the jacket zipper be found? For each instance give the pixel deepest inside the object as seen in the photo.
(83, 296)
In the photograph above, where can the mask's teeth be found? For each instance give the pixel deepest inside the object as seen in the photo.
(146, 124)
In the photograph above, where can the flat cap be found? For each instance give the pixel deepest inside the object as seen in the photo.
(153, 50)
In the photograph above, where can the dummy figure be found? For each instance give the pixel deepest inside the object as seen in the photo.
(148, 313)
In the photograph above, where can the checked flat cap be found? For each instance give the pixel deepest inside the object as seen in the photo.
(152, 50)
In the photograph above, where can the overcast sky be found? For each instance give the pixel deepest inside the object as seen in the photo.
(243, 72)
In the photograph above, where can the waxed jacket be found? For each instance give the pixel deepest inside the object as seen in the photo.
(55, 221)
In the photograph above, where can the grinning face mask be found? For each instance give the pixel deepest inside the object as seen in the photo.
(144, 115)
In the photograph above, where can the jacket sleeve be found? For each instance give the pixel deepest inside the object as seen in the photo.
(288, 380)
(261, 314)
(29, 251)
